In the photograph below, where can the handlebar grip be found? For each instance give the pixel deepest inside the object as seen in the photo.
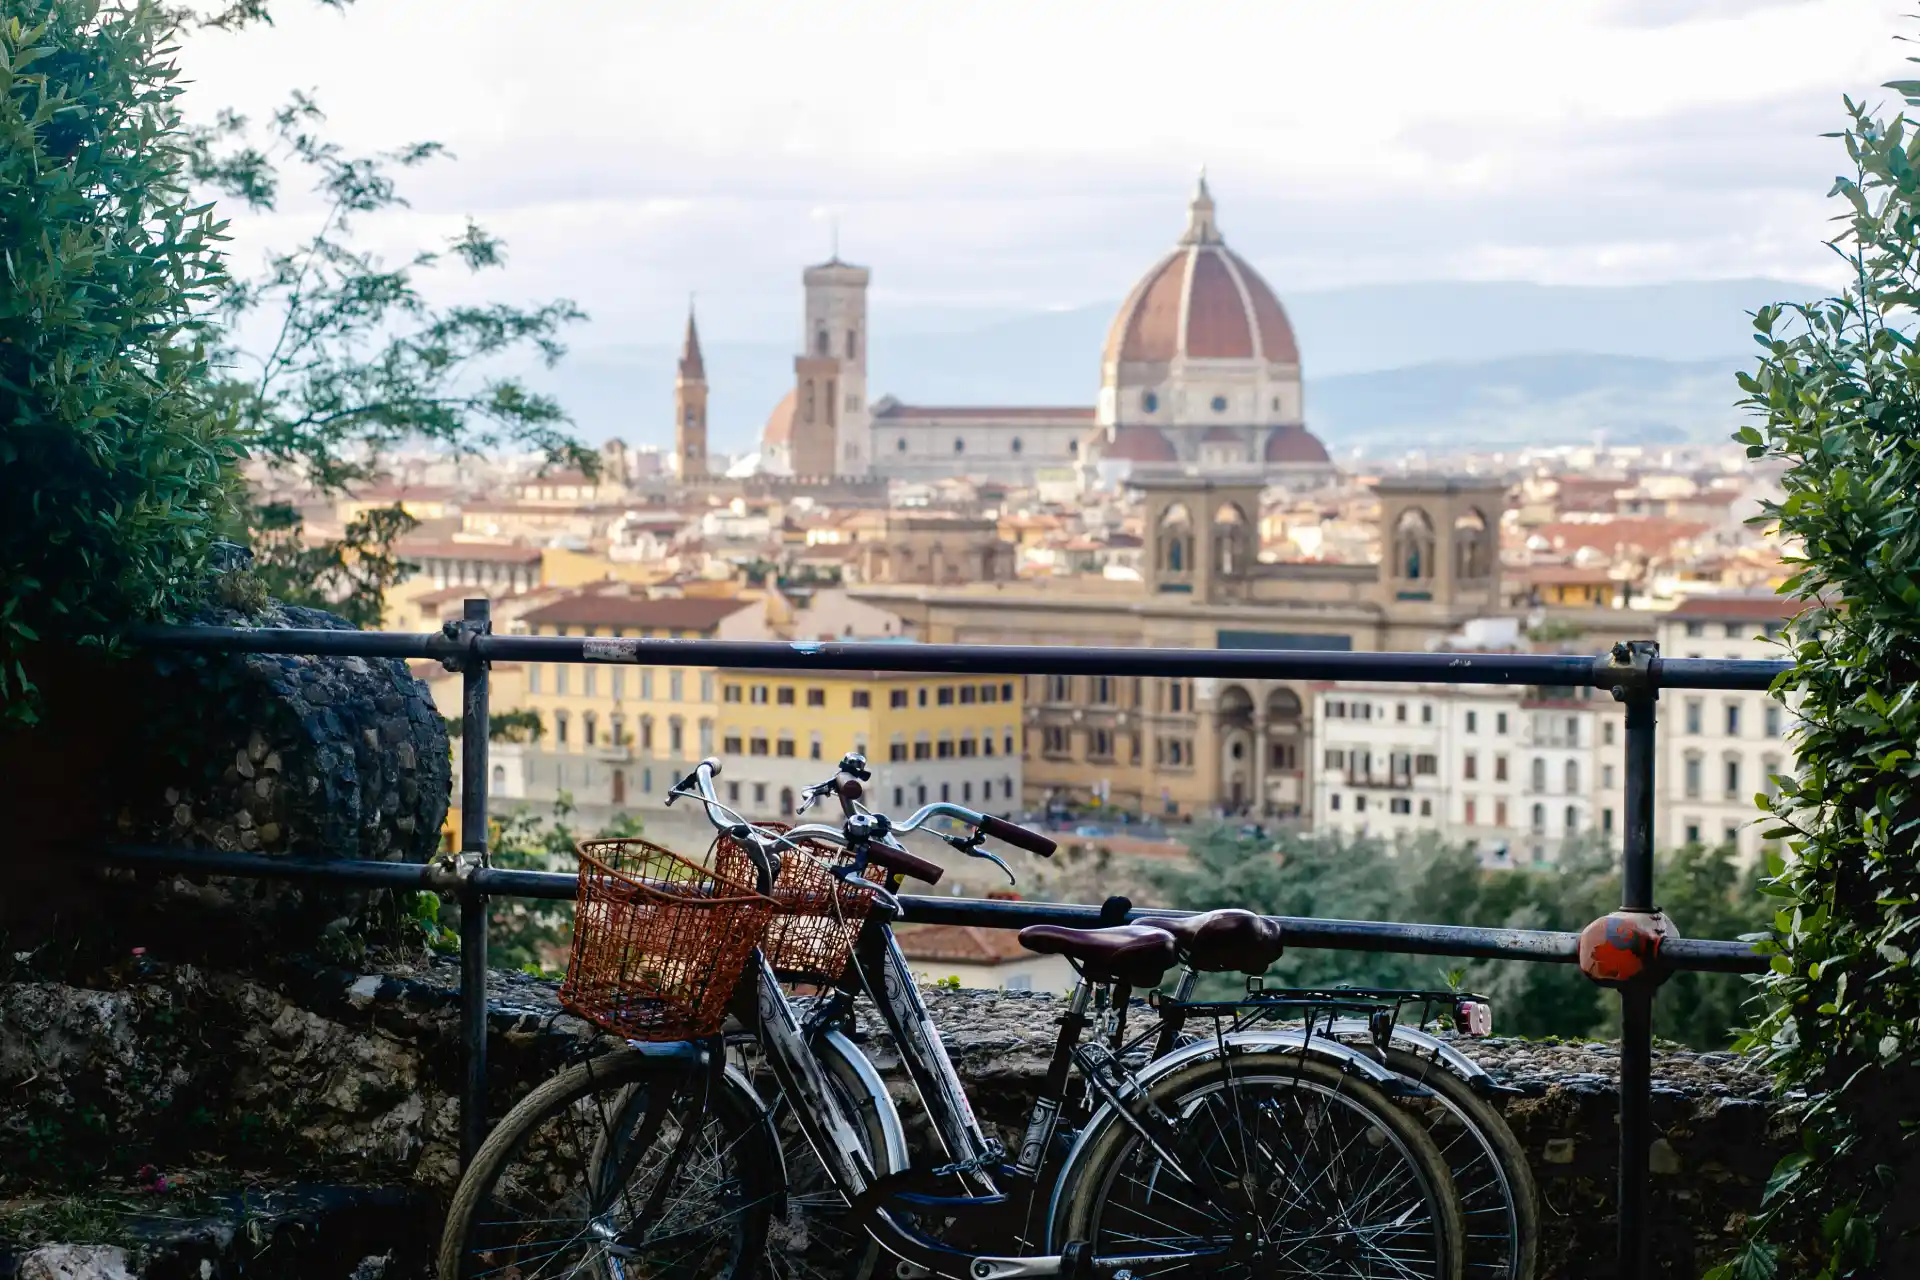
(907, 864)
(1017, 836)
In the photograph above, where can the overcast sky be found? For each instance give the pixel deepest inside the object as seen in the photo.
(987, 156)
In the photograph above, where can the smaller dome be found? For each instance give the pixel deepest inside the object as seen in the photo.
(1296, 446)
(1140, 444)
(779, 428)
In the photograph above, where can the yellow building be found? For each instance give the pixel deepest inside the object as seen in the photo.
(617, 735)
(926, 737)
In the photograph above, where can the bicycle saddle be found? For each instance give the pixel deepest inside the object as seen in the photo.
(1224, 940)
(1135, 954)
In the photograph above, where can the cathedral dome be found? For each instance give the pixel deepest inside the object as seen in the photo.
(779, 429)
(1201, 302)
(1296, 446)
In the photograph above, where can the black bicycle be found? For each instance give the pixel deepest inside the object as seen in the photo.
(1240, 1154)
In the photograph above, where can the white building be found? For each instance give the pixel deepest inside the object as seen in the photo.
(1719, 750)
(1500, 767)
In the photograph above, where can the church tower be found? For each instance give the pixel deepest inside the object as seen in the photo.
(831, 431)
(690, 408)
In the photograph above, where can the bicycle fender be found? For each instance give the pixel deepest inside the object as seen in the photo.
(1346, 1057)
(835, 1041)
(1428, 1046)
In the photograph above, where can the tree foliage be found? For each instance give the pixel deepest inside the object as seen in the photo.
(115, 472)
(1836, 395)
(1347, 878)
(336, 357)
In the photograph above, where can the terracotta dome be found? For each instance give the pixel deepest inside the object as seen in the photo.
(1201, 301)
(1296, 445)
(779, 428)
(1139, 444)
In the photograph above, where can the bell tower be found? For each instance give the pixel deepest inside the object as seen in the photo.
(831, 426)
(690, 408)
(1440, 540)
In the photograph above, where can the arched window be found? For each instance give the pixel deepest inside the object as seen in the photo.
(1176, 540)
(820, 343)
(1232, 540)
(1413, 545)
(786, 800)
(499, 777)
(1573, 820)
(1472, 555)
(560, 725)
(589, 727)
(1573, 777)
(1539, 817)
(1539, 775)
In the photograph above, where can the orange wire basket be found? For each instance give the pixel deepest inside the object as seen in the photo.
(658, 941)
(818, 917)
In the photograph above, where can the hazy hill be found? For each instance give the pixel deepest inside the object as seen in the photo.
(1387, 365)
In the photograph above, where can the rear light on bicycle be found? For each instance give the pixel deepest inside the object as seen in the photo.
(1473, 1018)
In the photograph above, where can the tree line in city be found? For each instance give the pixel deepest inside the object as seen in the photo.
(1433, 881)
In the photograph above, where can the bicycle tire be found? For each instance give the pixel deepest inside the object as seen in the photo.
(1521, 1193)
(744, 1143)
(1432, 1238)
(809, 1227)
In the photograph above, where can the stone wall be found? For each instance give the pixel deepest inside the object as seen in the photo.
(311, 1078)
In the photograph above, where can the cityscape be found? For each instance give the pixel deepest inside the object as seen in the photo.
(1190, 506)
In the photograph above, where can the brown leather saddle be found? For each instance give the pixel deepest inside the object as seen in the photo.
(1226, 940)
(1137, 955)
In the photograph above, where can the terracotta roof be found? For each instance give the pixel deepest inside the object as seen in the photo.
(1296, 445)
(1737, 608)
(1203, 301)
(591, 609)
(501, 552)
(1568, 573)
(1615, 537)
(1139, 444)
(898, 412)
(961, 943)
(779, 428)
(1218, 324)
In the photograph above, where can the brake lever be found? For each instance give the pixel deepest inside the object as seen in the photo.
(852, 879)
(974, 847)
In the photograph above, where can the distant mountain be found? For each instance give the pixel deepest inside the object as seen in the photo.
(1561, 398)
(1383, 362)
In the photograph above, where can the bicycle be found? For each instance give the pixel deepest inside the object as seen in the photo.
(1220, 1158)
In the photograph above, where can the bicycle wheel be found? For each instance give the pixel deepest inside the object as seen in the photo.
(808, 1241)
(1499, 1202)
(1319, 1174)
(618, 1168)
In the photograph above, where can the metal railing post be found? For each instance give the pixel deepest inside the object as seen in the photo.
(475, 727)
(1636, 998)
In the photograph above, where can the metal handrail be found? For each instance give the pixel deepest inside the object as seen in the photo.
(1633, 673)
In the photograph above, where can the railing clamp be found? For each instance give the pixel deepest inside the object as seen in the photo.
(1631, 667)
(455, 644)
(453, 872)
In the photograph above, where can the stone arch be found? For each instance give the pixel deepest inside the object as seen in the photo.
(1472, 545)
(1413, 545)
(1232, 540)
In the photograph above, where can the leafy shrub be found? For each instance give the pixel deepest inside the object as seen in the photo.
(1837, 394)
(115, 472)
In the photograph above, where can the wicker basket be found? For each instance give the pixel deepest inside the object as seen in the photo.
(658, 941)
(818, 918)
